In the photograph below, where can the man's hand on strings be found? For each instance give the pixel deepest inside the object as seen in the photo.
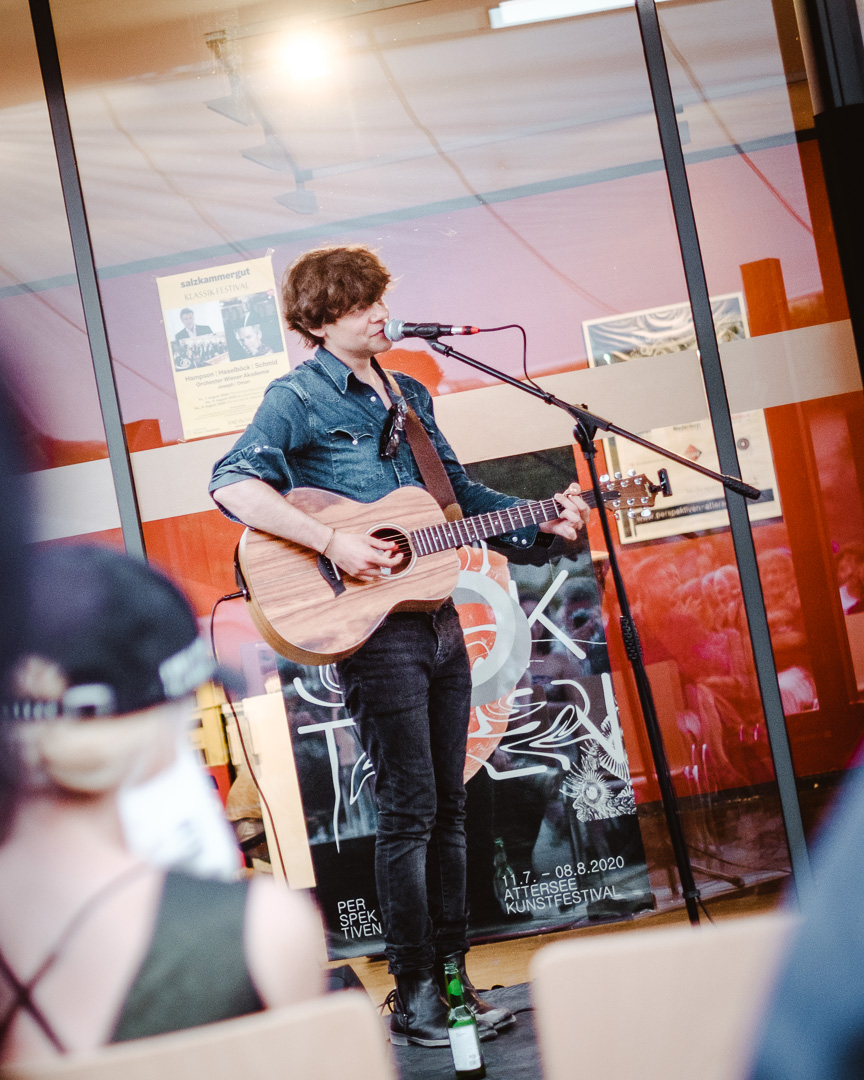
(362, 556)
(574, 514)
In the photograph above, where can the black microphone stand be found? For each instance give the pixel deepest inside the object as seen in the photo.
(585, 429)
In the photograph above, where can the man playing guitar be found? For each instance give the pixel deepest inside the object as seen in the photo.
(331, 424)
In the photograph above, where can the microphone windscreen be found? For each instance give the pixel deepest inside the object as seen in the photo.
(393, 329)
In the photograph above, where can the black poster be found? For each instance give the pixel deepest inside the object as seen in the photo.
(553, 837)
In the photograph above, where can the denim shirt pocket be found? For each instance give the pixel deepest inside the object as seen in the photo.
(354, 455)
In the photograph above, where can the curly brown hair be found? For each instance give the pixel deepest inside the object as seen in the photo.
(324, 284)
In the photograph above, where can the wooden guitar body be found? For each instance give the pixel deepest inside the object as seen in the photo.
(308, 611)
(297, 610)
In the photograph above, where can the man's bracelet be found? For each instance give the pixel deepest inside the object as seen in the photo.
(329, 542)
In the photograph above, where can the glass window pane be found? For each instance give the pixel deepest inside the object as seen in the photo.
(505, 175)
(762, 213)
(45, 353)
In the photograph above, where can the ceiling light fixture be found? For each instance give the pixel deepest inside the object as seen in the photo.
(519, 12)
(306, 56)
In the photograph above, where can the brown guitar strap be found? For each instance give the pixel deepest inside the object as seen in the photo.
(428, 462)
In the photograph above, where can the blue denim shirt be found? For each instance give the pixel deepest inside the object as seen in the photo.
(320, 426)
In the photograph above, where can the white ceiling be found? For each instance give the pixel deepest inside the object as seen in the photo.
(424, 104)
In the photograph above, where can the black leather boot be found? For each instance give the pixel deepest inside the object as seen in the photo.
(420, 1013)
(496, 1016)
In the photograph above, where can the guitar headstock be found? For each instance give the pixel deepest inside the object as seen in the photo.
(633, 495)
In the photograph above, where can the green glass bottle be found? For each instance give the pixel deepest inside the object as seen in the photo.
(462, 1030)
(503, 877)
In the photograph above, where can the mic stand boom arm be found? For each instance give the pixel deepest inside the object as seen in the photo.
(586, 426)
(590, 420)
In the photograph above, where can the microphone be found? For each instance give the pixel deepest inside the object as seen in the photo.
(396, 329)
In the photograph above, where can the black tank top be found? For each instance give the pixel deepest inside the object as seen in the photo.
(194, 971)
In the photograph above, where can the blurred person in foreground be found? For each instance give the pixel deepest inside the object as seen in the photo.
(97, 943)
(813, 1028)
(14, 536)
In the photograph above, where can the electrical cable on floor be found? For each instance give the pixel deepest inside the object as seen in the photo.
(261, 795)
(737, 865)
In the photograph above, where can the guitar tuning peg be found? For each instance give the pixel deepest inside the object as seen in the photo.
(616, 502)
(645, 499)
(619, 476)
(604, 479)
(617, 515)
(631, 472)
(645, 513)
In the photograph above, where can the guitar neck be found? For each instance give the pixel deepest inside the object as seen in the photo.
(453, 534)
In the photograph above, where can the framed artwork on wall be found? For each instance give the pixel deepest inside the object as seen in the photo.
(696, 503)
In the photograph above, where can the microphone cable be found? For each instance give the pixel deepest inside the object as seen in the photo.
(521, 329)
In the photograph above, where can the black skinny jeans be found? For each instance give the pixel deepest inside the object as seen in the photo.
(409, 692)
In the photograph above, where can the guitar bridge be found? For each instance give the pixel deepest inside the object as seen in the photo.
(331, 574)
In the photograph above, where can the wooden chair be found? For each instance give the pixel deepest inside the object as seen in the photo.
(329, 1038)
(667, 1004)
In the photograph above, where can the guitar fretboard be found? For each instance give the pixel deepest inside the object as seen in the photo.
(453, 534)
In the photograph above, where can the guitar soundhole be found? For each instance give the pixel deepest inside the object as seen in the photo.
(394, 535)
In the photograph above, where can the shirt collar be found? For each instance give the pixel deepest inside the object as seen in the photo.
(333, 367)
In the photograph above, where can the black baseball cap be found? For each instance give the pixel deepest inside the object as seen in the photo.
(123, 634)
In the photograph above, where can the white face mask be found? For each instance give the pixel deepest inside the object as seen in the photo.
(176, 820)
(169, 810)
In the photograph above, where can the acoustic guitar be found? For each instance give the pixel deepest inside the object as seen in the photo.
(308, 611)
